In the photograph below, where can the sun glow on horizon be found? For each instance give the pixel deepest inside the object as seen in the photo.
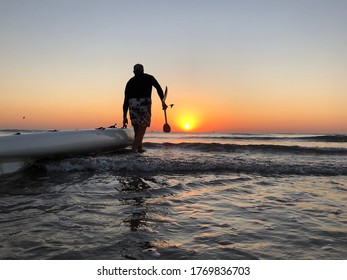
(187, 123)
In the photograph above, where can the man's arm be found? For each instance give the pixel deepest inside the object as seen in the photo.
(158, 88)
(160, 92)
(125, 106)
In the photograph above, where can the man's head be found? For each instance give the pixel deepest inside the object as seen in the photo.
(138, 69)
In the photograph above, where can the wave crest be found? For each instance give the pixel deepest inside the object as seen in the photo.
(259, 148)
(133, 164)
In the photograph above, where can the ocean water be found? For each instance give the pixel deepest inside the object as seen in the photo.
(189, 196)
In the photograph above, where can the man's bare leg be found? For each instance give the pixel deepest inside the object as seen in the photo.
(139, 134)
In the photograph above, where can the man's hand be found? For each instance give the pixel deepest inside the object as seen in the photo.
(125, 122)
(164, 105)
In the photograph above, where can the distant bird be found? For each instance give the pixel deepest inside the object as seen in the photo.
(171, 105)
(23, 118)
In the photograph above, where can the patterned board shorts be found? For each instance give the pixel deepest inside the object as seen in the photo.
(140, 111)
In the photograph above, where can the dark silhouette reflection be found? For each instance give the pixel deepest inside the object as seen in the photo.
(134, 195)
(141, 239)
(137, 218)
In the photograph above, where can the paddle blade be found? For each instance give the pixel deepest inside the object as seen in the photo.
(165, 94)
(166, 128)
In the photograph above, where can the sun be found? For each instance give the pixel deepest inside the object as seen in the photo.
(187, 126)
(187, 122)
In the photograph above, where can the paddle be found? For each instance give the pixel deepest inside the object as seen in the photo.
(166, 127)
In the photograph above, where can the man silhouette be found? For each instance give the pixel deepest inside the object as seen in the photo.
(138, 99)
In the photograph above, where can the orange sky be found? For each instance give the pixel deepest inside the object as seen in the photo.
(53, 106)
(231, 66)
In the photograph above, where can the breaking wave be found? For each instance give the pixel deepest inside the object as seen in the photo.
(166, 158)
(334, 138)
(259, 148)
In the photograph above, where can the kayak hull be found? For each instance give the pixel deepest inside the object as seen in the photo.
(18, 151)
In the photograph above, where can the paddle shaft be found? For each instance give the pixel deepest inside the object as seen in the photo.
(165, 116)
(166, 127)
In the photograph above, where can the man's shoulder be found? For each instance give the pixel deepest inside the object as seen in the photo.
(148, 76)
